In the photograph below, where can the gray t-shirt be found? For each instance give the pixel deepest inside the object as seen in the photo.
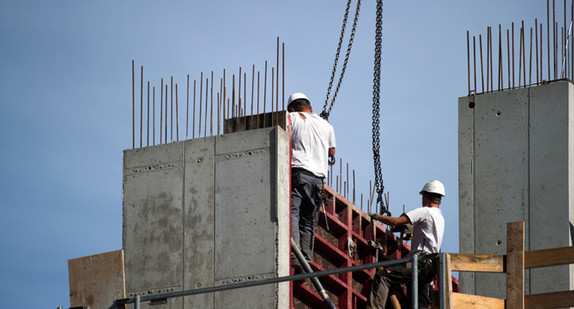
(428, 229)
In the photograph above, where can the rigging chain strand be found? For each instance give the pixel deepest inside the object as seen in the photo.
(376, 107)
(328, 107)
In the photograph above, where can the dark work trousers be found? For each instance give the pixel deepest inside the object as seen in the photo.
(305, 203)
(389, 282)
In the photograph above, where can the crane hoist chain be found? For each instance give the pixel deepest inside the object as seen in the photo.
(376, 108)
(327, 107)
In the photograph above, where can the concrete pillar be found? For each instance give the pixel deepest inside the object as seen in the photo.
(516, 163)
(208, 212)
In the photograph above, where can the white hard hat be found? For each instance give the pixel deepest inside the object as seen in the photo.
(297, 96)
(433, 186)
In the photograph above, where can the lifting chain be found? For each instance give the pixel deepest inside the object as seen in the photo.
(376, 107)
(327, 107)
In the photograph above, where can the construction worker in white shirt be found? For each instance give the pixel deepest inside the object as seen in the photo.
(312, 143)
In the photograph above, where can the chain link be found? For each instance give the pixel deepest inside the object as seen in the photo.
(376, 108)
(328, 107)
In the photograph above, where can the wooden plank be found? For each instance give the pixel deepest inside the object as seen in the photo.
(97, 280)
(460, 300)
(549, 257)
(477, 262)
(515, 265)
(550, 300)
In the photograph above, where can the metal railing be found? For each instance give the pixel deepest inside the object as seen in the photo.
(392, 264)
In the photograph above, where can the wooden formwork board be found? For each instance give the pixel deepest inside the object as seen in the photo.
(97, 280)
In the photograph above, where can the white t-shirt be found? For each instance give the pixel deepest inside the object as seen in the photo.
(428, 229)
(311, 138)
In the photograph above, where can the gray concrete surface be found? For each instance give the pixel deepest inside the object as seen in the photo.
(516, 163)
(207, 212)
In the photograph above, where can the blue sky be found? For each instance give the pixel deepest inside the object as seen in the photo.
(65, 85)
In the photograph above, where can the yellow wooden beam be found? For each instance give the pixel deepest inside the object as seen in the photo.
(477, 262)
(468, 301)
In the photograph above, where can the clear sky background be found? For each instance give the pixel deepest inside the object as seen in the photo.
(65, 93)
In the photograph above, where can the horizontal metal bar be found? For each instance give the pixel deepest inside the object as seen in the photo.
(324, 273)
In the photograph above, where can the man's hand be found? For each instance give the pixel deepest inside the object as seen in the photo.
(394, 221)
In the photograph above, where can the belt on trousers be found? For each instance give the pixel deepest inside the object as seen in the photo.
(306, 172)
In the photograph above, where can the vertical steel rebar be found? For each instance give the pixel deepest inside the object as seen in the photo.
(218, 112)
(520, 58)
(548, 37)
(187, 111)
(176, 114)
(244, 100)
(556, 51)
(536, 44)
(541, 54)
(523, 53)
(264, 94)
(147, 114)
(481, 64)
(283, 87)
(223, 100)
(200, 103)
(193, 118)
(252, 96)
(530, 66)
(354, 187)
(141, 108)
(468, 58)
(171, 110)
(206, 97)
(239, 93)
(258, 79)
(513, 70)
(133, 107)
(220, 105)
(508, 54)
(165, 131)
(161, 113)
(233, 96)
(554, 27)
(500, 64)
(487, 59)
(153, 116)
(211, 108)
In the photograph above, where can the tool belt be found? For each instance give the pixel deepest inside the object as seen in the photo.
(296, 175)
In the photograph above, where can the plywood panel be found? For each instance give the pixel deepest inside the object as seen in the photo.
(97, 280)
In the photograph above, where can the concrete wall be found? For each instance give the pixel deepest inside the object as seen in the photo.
(209, 212)
(516, 163)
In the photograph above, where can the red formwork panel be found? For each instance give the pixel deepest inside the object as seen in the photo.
(348, 225)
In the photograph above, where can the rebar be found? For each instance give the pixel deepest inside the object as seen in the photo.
(200, 100)
(153, 116)
(141, 107)
(161, 113)
(176, 114)
(133, 108)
